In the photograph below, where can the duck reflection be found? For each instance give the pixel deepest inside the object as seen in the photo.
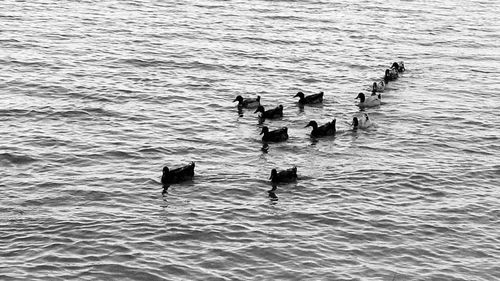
(272, 193)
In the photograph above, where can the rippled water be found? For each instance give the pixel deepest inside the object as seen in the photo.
(97, 96)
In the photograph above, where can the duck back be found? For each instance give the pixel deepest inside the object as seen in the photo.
(276, 135)
(179, 174)
(284, 176)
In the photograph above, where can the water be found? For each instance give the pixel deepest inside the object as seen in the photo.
(97, 96)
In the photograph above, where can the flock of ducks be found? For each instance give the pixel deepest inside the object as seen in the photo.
(360, 121)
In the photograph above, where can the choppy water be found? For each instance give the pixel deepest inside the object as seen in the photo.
(97, 96)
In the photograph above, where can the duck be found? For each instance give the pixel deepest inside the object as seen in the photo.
(289, 175)
(311, 99)
(274, 136)
(327, 129)
(361, 121)
(271, 113)
(247, 102)
(398, 66)
(390, 75)
(371, 101)
(378, 87)
(177, 175)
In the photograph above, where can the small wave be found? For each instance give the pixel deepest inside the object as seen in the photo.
(121, 154)
(16, 159)
(153, 150)
(14, 112)
(83, 113)
(146, 62)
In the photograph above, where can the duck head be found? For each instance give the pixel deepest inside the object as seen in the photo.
(300, 95)
(239, 99)
(274, 174)
(265, 130)
(361, 97)
(395, 65)
(260, 108)
(374, 87)
(312, 123)
(165, 171)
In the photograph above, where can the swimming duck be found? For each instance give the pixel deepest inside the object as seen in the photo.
(327, 129)
(373, 100)
(274, 136)
(378, 87)
(315, 98)
(271, 113)
(398, 66)
(247, 102)
(361, 121)
(289, 175)
(177, 175)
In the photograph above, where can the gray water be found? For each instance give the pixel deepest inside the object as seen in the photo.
(98, 96)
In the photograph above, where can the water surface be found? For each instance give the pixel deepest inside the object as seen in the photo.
(97, 96)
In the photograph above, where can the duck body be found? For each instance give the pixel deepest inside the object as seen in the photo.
(271, 113)
(390, 75)
(274, 136)
(327, 129)
(371, 101)
(177, 175)
(378, 87)
(398, 66)
(311, 99)
(247, 102)
(289, 175)
(361, 121)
